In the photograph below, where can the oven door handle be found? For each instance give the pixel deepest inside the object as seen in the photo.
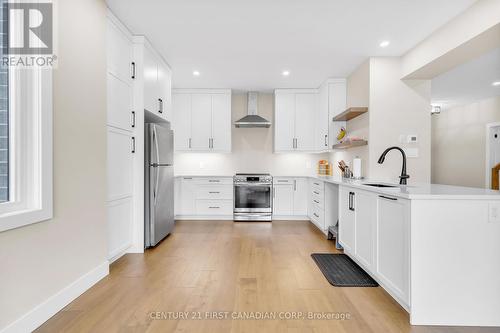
(251, 185)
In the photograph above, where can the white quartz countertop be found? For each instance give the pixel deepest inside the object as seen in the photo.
(414, 192)
(418, 191)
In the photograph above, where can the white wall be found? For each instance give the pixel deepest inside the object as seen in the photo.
(397, 108)
(252, 149)
(468, 35)
(39, 260)
(459, 143)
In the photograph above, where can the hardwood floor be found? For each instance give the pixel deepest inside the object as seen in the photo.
(217, 266)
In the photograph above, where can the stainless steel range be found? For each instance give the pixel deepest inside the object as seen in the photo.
(253, 197)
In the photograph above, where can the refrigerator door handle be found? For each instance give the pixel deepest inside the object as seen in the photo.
(155, 143)
(155, 190)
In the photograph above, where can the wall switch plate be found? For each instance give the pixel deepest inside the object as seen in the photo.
(412, 138)
(202, 165)
(411, 152)
(494, 213)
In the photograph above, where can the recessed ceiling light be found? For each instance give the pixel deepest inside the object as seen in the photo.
(285, 73)
(384, 43)
(496, 83)
(196, 73)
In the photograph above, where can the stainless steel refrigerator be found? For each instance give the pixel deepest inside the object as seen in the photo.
(159, 183)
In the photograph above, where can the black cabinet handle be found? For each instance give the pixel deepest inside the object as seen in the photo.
(388, 198)
(214, 192)
(213, 181)
(133, 70)
(326, 138)
(214, 207)
(161, 105)
(316, 201)
(316, 215)
(133, 119)
(133, 145)
(351, 201)
(316, 192)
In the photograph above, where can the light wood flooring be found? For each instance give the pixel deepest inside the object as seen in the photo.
(251, 268)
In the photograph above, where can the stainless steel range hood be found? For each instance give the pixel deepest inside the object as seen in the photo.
(252, 120)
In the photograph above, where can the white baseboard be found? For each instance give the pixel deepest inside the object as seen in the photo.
(115, 255)
(204, 217)
(44, 311)
(290, 218)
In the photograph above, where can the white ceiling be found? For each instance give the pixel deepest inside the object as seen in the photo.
(469, 82)
(246, 44)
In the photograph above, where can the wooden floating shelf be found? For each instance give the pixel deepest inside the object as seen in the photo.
(350, 144)
(350, 113)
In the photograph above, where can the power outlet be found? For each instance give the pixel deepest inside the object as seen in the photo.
(494, 213)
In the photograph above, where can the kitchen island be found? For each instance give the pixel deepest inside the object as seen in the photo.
(434, 248)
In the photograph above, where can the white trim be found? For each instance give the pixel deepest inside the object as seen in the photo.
(45, 310)
(32, 169)
(487, 161)
(117, 254)
(204, 217)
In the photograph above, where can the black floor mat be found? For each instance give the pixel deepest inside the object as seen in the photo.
(342, 271)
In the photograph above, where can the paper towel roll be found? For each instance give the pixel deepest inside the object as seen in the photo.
(356, 167)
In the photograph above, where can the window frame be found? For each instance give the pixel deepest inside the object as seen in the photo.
(30, 149)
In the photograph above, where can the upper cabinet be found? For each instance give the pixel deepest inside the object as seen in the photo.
(295, 119)
(202, 119)
(303, 117)
(332, 102)
(157, 84)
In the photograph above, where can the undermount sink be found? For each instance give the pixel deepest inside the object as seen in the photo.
(382, 185)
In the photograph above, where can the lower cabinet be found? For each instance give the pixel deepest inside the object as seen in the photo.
(120, 213)
(290, 197)
(393, 245)
(204, 197)
(374, 230)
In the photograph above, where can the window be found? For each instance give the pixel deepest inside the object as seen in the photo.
(25, 132)
(4, 122)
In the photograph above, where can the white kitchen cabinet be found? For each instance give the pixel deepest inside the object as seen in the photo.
(120, 104)
(290, 197)
(332, 101)
(284, 121)
(120, 216)
(322, 119)
(120, 61)
(181, 124)
(305, 116)
(151, 89)
(157, 84)
(165, 90)
(283, 199)
(202, 120)
(300, 196)
(221, 122)
(204, 198)
(120, 164)
(393, 245)
(366, 223)
(294, 120)
(347, 218)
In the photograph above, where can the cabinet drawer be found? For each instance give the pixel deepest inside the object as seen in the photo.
(215, 181)
(317, 185)
(214, 207)
(318, 215)
(283, 181)
(318, 198)
(214, 192)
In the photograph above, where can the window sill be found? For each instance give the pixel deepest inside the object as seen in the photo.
(22, 218)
